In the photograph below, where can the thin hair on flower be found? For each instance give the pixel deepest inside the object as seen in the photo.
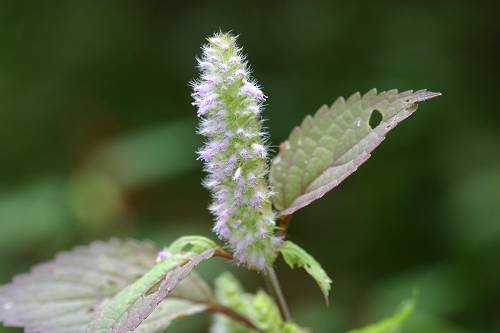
(229, 102)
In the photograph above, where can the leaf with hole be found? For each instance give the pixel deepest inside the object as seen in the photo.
(393, 323)
(295, 256)
(332, 144)
(63, 296)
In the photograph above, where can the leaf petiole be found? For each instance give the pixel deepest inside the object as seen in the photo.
(274, 284)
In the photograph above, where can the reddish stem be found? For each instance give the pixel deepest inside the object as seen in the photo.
(215, 308)
(219, 252)
(283, 225)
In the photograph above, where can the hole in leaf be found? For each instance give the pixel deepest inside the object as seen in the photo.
(375, 118)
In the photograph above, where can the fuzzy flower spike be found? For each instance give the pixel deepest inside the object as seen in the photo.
(229, 103)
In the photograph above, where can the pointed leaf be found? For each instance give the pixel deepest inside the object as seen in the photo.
(138, 309)
(259, 308)
(229, 293)
(391, 324)
(62, 296)
(295, 256)
(328, 147)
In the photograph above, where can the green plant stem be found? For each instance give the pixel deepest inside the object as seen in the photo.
(274, 285)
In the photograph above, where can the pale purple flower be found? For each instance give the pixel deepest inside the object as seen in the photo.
(162, 255)
(223, 68)
(241, 73)
(234, 155)
(259, 149)
(251, 90)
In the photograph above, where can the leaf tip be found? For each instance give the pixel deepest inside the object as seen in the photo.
(425, 95)
(326, 297)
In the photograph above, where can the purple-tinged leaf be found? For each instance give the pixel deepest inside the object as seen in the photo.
(62, 296)
(147, 304)
(330, 146)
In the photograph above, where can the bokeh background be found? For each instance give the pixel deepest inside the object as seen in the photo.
(97, 139)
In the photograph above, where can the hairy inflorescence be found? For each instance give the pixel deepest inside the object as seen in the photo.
(229, 103)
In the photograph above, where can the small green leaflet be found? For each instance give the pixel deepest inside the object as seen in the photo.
(131, 306)
(229, 293)
(198, 244)
(259, 308)
(295, 256)
(391, 324)
(64, 295)
(330, 146)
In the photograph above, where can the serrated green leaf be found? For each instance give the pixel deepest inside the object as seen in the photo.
(391, 324)
(266, 314)
(229, 293)
(328, 147)
(259, 308)
(131, 306)
(195, 244)
(147, 304)
(63, 295)
(295, 256)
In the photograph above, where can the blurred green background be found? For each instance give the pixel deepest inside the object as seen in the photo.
(97, 138)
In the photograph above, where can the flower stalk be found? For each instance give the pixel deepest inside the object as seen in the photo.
(229, 103)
